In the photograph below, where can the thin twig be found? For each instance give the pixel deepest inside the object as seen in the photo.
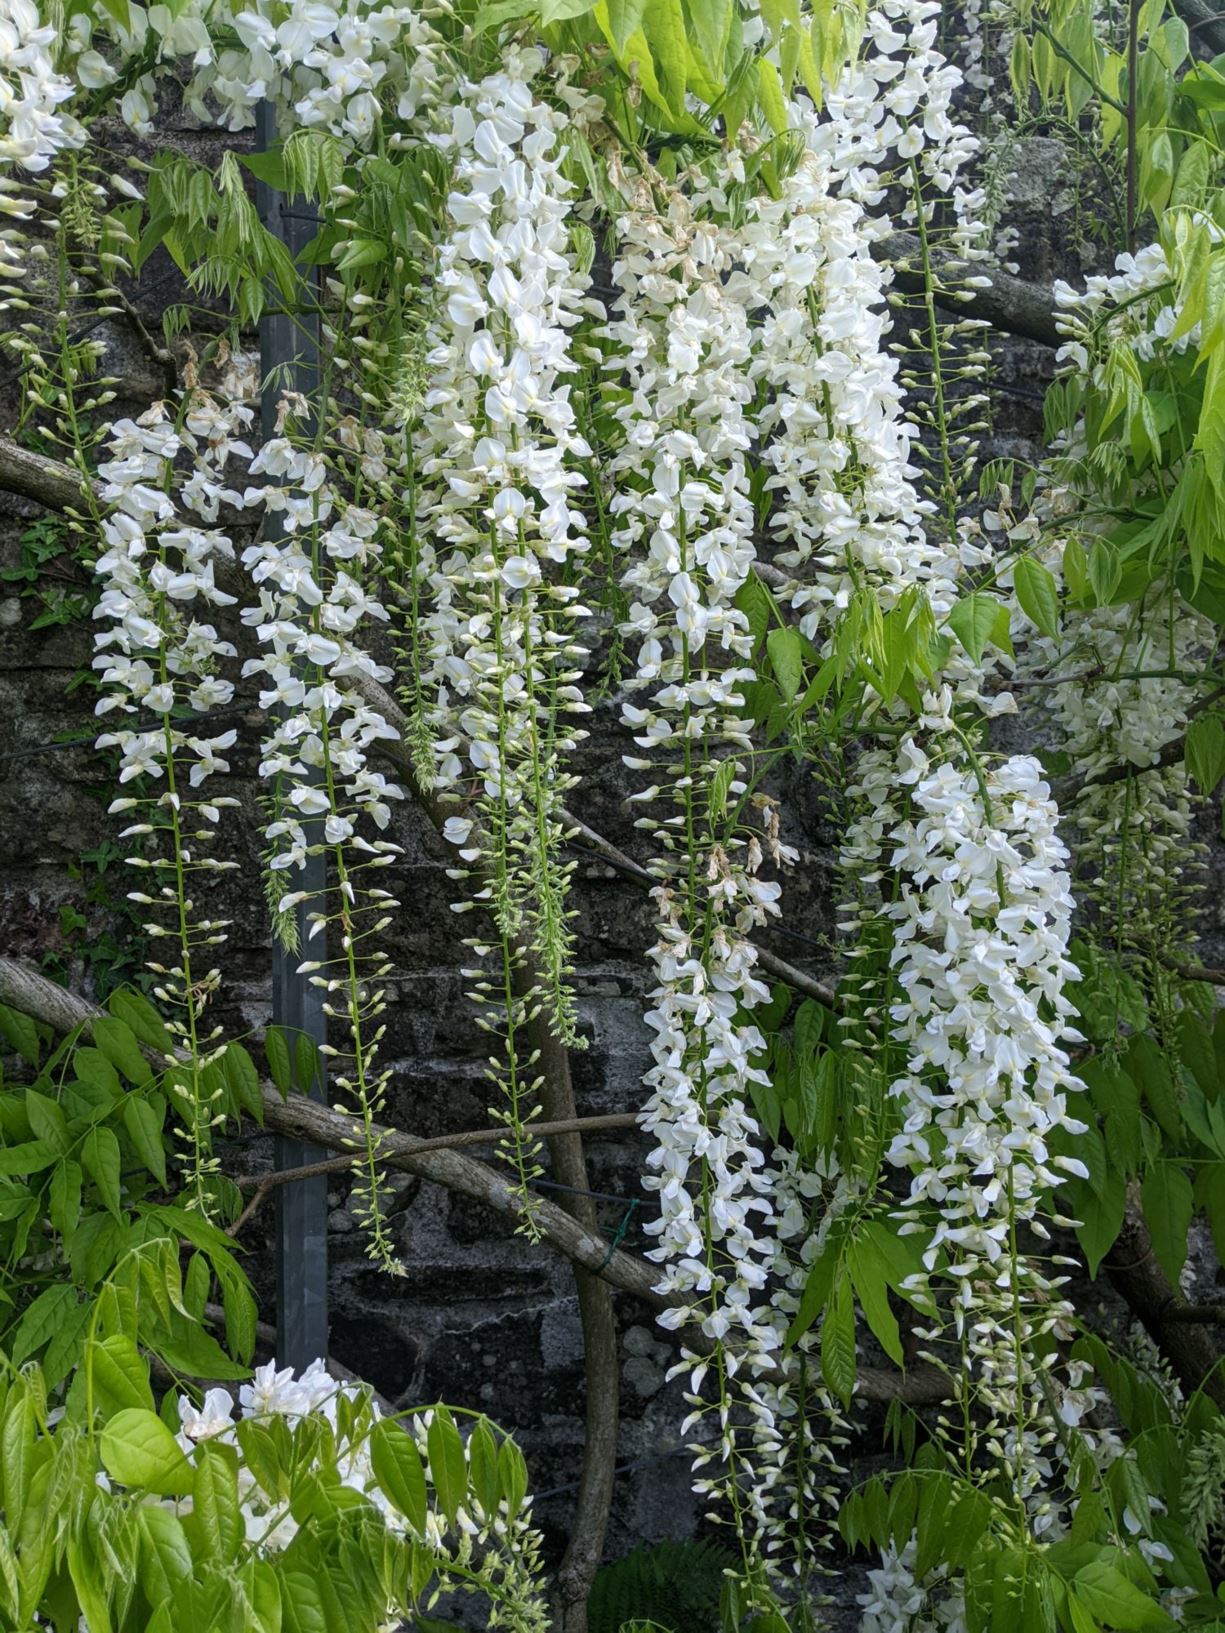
(396, 750)
(154, 350)
(265, 1184)
(1196, 972)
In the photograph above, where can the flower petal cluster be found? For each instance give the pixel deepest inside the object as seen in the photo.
(981, 922)
(33, 129)
(499, 538)
(499, 447)
(846, 512)
(495, 1551)
(1112, 309)
(896, 102)
(307, 619)
(335, 68)
(158, 660)
(344, 68)
(35, 125)
(327, 796)
(271, 1394)
(899, 1601)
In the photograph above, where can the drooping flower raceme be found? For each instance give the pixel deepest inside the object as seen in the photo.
(861, 542)
(35, 125)
(1135, 846)
(981, 927)
(980, 910)
(1117, 688)
(685, 348)
(846, 512)
(682, 506)
(499, 534)
(162, 670)
(328, 799)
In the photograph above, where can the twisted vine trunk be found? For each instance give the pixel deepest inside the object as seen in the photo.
(601, 1372)
(1158, 1306)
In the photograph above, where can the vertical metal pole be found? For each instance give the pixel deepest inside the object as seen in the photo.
(289, 359)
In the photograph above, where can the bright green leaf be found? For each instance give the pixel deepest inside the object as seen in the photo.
(139, 1450)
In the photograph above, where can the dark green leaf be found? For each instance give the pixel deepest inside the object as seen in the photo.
(117, 1042)
(448, 1466)
(1206, 752)
(277, 1050)
(838, 1362)
(243, 1080)
(1168, 1208)
(100, 1157)
(1107, 1594)
(20, 1032)
(785, 648)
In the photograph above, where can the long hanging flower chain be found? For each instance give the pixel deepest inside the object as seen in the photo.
(310, 611)
(683, 342)
(163, 668)
(499, 452)
(856, 532)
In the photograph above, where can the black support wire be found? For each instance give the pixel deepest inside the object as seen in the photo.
(289, 359)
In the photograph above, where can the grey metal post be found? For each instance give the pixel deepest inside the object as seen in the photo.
(289, 358)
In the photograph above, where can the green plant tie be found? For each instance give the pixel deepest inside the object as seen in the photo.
(618, 1236)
